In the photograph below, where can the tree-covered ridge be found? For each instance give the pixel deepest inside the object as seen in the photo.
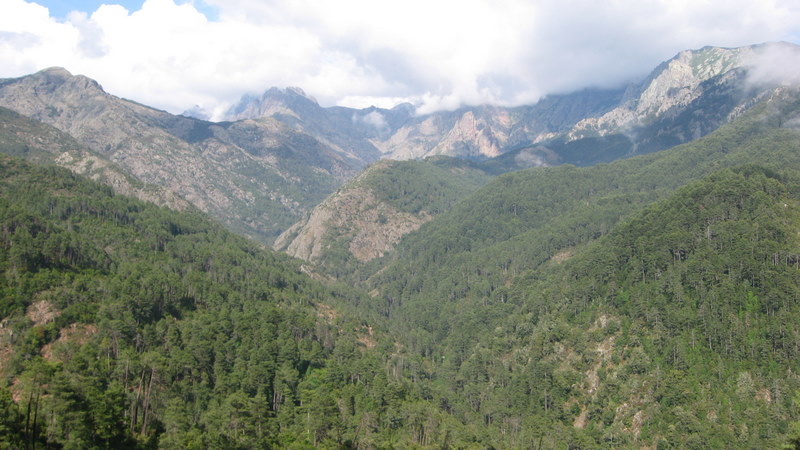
(677, 328)
(127, 325)
(467, 285)
(429, 186)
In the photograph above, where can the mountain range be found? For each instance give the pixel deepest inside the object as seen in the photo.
(246, 174)
(682, 99)
(602, 269)
(279, 154)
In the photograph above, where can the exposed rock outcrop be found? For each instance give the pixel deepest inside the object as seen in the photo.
(370, 227)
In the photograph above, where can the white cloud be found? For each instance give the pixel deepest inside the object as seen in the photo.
(435, 54)
(374, 119)
(92, 38)
(774, 65)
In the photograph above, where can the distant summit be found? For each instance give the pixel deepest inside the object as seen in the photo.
(290, 101)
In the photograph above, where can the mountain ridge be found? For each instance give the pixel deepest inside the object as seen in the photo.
(247, 174)
(487, 131)
(262, 172)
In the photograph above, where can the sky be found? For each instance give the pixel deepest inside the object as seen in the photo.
(436, 54)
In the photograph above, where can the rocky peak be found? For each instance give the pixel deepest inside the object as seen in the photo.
(57, 77)
(44, 94)
(675, 82)
(474, 136)
(53, 74)
(667, 91)
(291, 101)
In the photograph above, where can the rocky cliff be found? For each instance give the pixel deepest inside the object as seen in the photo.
(368, 227)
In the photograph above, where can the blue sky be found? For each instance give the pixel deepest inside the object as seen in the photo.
(60, 8)
(436, 54)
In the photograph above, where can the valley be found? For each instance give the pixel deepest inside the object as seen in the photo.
(609, 268)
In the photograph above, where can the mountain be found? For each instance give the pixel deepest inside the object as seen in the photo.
(647, 302)
(281, 153)
(33, 140)
(683, 99)
(364, 219)
(399, 133)
(347, 130)
(256, 176)
(530, 216)
(516, 287)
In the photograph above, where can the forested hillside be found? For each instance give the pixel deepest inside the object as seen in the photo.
(678, 328)
(479, 295)
(523, 219)
(126, 325)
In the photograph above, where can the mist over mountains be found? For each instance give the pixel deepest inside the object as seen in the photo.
(682, 99)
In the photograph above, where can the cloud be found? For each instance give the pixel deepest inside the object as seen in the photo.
(18, 40)
(774, 64)
(532, 157)
(374, 119)
(436, 55)
(91, 43)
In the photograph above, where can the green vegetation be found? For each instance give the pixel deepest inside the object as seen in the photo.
(431, 186)
(651, 302)
(522, 219)
(461, 290)
(128, 325)
(705, 286)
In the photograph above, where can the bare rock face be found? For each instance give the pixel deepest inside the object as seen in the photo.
(415, 140)
(475, 137)
(487, 132)
(103, 171)
(674, 88)
(273, 102)
(366, 218)
(370, 227)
